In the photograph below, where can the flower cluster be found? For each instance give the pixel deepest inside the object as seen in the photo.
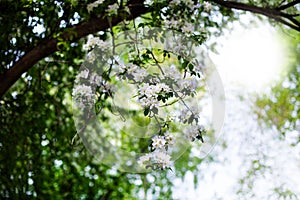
(173, 73)
(95, 42)
(188, 3)
(133, 72)
(184, 26)
(174, 23)
(82, 74)
(158, 142)
(150, 94)
(155, 88)
(91, 56)
(155, 160)
(154, 91)
(159, 157)
(187, 25)
(195, 132)
(184, 86)
(207, 6)
(188, 86)
(188, 28)
(158, 85)
(189, 115)
(83, 90)
(83, 93)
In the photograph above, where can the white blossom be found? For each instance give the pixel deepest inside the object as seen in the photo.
(188, 28)
(146, 158)
(199, 67)
(169, 138)
(131, 68)
(91, 43)
(179, 48)
(148, 90)
(190, 4)
(83, 74)
(83, 95)
(121, 68)
(148, 94)
(138, 73)
(103, 45)
(107, 87)
(189, 84)
(163, 87)
(96, 79)
(93, 5)
(195, 109)
(90, 7)
(153, 90)
(82, 90)
(149, 102)
(207, 6)
(175, 2)
(186, 113)
(161, 159)
(112, 9)
(118, 65)
(80, 104)
(172, 23)
(158, 159)
(192, 132)
(172, 73)
(95, 41)
(91, 56)
(158, 142)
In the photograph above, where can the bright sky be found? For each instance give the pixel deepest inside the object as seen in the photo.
(248, 61)
(250, 57)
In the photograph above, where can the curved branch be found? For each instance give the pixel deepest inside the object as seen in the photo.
(101, 23)
(288, 5)
(292, 19)
(49, 45)
(275, 14)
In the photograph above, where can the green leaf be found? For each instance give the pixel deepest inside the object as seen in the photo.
(146, 111)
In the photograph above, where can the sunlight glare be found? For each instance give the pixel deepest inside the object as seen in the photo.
(251, 58)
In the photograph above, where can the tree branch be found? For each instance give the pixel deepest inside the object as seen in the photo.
(49, 45)
(292, 19)
(288, 5)
(275, 14)
(101, 23)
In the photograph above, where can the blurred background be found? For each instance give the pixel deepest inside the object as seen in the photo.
(257, 155)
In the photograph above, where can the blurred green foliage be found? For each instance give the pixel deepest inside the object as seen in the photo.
(38, 159)
(280, 107)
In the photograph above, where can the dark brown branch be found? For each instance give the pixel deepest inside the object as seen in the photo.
(291, 18)
(288, 5)
(49, 45)
(275, 14)
(282, 2)
(245, 7)
(283, 21)
(293, 15)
